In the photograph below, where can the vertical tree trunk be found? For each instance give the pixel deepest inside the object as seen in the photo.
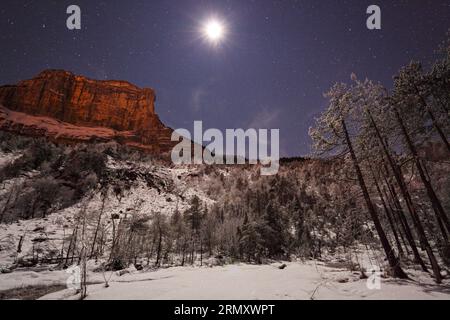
(62, 245)
(184, 252)
(392, 259)
(33, 208)
(72, 243)
(83, 256)
(113, 244)
(96, 229)
(192, 248)
(158, 252)
(153, 246)
(201, 252)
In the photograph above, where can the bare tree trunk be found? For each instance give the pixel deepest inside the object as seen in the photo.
(390, 255)
(436, 203)
(184, 252)
(438, 220)
(388, 215)
(433, 118)
(114, 239)
(97, 228)
(83, 255)
(406, 228)
(100, 247)
(129, 249)
(72, 242)
(158, 252)
(192, 248)
(153, 246)
(415, 218)
(201, 252)
(398, 222)
(438, 129)
(19, 246)
(62, 245)
(33, 208)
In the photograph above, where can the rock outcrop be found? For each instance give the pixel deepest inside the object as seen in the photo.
(119, 109)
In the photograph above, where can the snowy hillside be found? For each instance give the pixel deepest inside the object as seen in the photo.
(155, 231)
(44, 237)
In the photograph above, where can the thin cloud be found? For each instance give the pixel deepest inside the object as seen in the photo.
(196, 99)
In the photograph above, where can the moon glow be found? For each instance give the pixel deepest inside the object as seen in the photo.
(214, 31)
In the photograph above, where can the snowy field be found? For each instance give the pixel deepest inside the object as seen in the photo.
(299, 281)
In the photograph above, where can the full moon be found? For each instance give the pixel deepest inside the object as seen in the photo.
(214, 31)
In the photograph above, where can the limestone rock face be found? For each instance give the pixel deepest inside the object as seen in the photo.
(127, 110)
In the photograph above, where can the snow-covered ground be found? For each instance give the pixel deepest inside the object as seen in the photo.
(48, 126)
(6, 158)
(299, 280)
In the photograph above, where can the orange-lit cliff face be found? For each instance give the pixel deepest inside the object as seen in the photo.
(128, 112)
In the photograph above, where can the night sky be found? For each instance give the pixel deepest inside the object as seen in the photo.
(270, 70)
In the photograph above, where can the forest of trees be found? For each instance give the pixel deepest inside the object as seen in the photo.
(271, 218)
(254, 218)
(380, 133)
(381, 188)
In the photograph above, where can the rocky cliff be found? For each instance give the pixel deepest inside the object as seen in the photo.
(101, 110)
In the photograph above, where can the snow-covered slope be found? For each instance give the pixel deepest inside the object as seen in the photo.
(53, 128)
(42, 238)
